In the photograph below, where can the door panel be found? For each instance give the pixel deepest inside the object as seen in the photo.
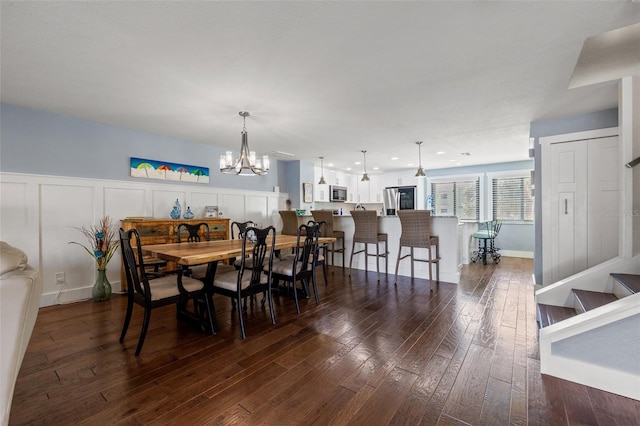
(569, 207)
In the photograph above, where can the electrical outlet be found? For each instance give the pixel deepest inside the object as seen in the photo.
(59, 277)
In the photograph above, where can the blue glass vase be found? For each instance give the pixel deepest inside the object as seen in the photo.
(176, 210)
(188, 214)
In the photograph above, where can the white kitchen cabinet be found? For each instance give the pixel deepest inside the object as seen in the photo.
(363, 191)
(371, 190)
(376, 185)
(321, 193)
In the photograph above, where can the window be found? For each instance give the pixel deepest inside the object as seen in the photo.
(512, 200)
(456, 198)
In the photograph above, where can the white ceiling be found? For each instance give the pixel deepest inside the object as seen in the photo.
(319, 78)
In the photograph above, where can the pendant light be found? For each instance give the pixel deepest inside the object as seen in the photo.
(322, 181)
(246, 164)
(365, 176)
(420, 172)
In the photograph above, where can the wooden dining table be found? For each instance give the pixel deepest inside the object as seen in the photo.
(190, 254)
(211, 252)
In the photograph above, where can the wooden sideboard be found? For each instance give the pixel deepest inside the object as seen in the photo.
(164, 231)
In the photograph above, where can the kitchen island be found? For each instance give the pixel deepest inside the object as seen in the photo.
(446, 228)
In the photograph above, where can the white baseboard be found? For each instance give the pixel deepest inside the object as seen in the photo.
(71, 295)
(514, 253)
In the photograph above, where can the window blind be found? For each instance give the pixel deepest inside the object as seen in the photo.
(456, 198)
(512, 199)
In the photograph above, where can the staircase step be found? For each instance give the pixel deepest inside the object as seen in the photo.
(588, 300)
(630, 281)
(551, 314)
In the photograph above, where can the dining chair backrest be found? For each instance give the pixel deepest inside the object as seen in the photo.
(257, 246)
(326, 217)
(416, 228)
(137, 281)
(238, 228)
(289, 222)
(489, 229)
(308, 247)
(366, 226)
(193, 232)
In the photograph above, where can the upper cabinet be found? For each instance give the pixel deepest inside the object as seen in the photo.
(370, 191)
(320, 192)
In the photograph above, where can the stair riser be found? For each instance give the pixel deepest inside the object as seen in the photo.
(620, 290)
(578, 306)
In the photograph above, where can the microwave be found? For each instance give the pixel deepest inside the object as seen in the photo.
(337, 193)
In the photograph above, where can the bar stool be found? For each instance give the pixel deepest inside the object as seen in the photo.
(487, 231)
(416, 233)
(289, 222)
(366, 232)
(327, 230)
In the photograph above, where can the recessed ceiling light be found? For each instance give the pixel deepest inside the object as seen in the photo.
(452, 161)
(348, 169)
(394, 158)
(376, 168)
(357, 163)
(457, 164)
(330, 165)
(410, 165)
(440, 153)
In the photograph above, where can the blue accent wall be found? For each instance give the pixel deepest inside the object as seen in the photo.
(39, 142)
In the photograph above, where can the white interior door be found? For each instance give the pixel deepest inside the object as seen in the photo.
(603, 196)
(580, 203)
(568, 186)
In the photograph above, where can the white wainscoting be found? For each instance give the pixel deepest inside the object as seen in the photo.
(38, 214)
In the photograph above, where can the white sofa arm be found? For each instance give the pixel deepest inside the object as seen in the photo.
(20, 292)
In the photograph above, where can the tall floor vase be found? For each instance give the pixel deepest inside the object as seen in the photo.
(101, 290)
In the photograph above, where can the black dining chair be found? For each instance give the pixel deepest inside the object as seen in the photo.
(195, 233)
(300, 267)
(254, 275)
(319, 258)
(238, 230)
(166, 290)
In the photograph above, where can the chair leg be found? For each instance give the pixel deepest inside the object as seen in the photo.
(127, 318)
(353, 249)
(366, 258)
(273, 316)
(333, 254)
(239, 310)
(430, 265)
(315, 288)
(412, 262)
(378, 260)
(386, 257)
(395, 280)
(295, 296)
(438, 263)
(324, 271)
(145, 326)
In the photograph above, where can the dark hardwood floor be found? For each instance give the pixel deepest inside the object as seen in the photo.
(370, 354)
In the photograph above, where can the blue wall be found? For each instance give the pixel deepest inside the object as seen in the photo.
(513, 237)
(38, 142)
(558, 126)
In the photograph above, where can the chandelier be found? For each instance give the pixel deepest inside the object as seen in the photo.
(420, 172)
(246, 164)
(322, 181)
(365, 176)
